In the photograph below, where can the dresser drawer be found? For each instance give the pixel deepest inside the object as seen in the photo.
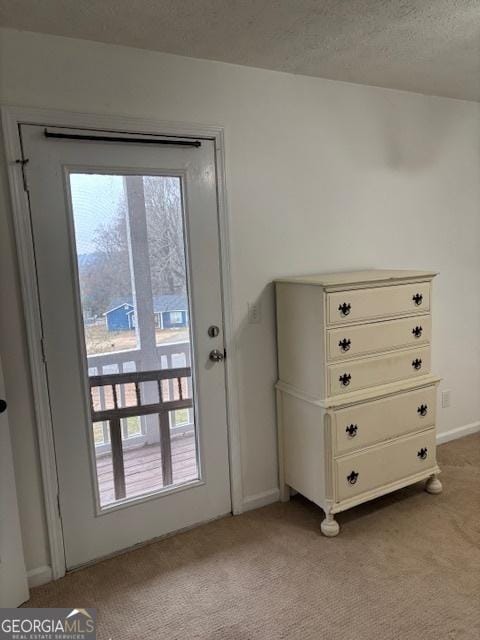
(373, 422)
(377, 370)
(376, 337)
(380, 302)
(382, 465)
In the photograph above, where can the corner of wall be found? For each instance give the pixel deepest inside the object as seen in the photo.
(39, 576)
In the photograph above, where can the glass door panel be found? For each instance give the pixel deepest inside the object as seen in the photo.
(133, 281)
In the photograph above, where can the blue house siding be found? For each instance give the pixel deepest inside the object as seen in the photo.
(174, 319)
(117, 319)
(170, 313)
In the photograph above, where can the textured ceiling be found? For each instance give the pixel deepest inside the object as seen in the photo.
(428, 46)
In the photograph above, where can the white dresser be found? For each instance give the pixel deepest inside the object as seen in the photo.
(356, 400)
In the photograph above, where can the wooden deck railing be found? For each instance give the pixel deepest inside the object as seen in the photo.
(106, 387)
(169, 355)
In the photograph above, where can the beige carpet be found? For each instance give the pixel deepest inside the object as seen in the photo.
(405, 567)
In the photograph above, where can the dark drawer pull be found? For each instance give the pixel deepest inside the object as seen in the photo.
(353, 477)
(345, 308)
(345, 344)
(418, 299)
(423, 453)
(345, 379)
(417, 331)
(423, 410)
(3, 406)
(417, 364)
(352, 430)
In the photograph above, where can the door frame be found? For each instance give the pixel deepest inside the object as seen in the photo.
(12, 118)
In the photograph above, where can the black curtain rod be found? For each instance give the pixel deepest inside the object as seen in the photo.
(81, 136)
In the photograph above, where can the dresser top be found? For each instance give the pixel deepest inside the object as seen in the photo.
(356, 277)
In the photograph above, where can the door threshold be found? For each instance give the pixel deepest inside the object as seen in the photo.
(146, 543)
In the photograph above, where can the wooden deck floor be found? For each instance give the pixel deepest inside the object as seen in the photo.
(143, 468)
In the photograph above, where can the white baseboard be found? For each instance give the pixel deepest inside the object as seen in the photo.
(261, 499)
(273, 495)
(39, 576)
(42, 575)
(458, 432)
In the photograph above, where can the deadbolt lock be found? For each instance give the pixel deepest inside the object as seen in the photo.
(213, 331)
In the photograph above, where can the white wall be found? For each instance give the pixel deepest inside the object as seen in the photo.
(321, 176)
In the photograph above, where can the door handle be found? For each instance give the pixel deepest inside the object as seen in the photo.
(3, 406)
(216, 355)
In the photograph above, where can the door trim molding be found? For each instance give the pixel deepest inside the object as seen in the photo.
(12, 118)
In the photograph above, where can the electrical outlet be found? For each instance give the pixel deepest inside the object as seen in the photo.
(253, 312)
(446, 398)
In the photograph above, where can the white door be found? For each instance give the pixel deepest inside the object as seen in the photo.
(127, 254)
(13, 578)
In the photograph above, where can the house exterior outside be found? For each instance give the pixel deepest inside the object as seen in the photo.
(117, 318)
(170, 312)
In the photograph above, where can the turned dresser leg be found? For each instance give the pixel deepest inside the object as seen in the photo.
(433, 485)
(330, 526)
